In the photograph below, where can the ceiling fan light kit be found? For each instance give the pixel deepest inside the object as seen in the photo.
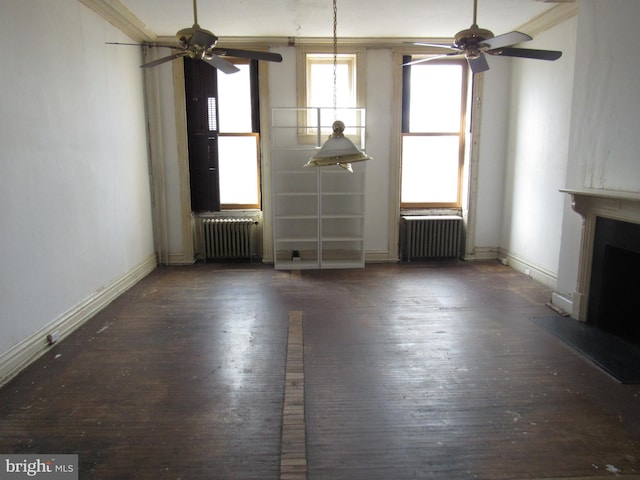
(474, 42)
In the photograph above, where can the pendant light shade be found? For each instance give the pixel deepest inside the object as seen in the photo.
(337, 150)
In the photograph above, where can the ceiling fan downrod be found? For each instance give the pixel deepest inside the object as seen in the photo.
(195, 12)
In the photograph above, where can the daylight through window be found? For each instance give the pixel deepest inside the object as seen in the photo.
(433, 134)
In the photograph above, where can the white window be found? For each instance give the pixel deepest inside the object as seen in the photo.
(320, 78)
(238, 144)
(316, 87)
(433, 134)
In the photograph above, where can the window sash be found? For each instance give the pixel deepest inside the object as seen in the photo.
(432, 156)
(239, 170)
(431, 162)
(320, 85)
(350, 94)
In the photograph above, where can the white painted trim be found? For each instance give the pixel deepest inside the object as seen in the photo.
(393, 232)
(380, 256)
(472, 156)
(182, 140)
(549, 19)
(266, 183)
(563, 303)
(483, 253)
(24, 353)
(591, 204)
(180, 258)
(156, 160)
(540, 274)
(121, 17)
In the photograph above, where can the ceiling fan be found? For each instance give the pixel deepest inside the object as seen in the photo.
(474, 42)
(200, 44)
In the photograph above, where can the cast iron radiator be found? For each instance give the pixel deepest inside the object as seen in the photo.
(434, 236)
(228, 238)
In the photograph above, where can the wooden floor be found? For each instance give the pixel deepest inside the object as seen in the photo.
(408, 371)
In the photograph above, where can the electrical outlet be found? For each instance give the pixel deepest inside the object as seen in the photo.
(53, 337)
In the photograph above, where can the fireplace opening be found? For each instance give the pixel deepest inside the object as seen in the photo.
(614, 295)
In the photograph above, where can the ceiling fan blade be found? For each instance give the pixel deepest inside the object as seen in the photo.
(434, 45)
(527, 53)
(428, 59)
(511, 38)
(163, 60)
(479, 64)
(221, 64)
(129, 44)
(253, 55)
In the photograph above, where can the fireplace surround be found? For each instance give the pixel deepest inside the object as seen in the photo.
(609, 256)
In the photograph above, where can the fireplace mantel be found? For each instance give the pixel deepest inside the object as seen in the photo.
(591, 204)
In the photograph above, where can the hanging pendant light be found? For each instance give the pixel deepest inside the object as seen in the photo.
(338, 149)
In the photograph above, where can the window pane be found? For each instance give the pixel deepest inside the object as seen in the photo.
(430, 169)
(320, 80)
(238, 165)
(234, 101)
(435, 98)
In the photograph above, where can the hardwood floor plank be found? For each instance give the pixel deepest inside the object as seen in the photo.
(429, 370)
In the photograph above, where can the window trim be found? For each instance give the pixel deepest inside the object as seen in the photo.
(462, 132)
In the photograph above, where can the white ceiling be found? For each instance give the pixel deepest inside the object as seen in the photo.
(356, 18)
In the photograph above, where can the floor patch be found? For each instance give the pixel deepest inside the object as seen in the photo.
(293, 457)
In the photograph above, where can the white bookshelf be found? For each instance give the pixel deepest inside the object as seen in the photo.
(318, 211)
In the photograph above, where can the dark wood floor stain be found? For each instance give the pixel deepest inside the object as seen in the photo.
(429, 370)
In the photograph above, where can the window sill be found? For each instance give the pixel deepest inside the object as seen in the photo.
(430, 211)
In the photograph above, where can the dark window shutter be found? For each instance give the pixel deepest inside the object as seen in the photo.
(202, 121)
(406, 93)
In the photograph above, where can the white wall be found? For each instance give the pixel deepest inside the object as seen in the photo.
(536, 154)
(74, 189)
(604, 141)
(492, 152)
(604, 138)
(379, 130)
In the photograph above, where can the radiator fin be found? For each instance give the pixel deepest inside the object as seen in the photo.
(431, 236)
(228, 238)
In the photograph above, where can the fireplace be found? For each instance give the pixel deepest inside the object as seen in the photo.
(608, 288)
(615, 279)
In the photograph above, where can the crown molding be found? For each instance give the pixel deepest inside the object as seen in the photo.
(549, 19)
(118, 15)
(121, 17)
(266, 42)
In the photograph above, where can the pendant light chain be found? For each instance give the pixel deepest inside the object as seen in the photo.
(335, 56)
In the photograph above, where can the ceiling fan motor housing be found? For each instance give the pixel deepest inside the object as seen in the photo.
(469, 40)
(196, 37)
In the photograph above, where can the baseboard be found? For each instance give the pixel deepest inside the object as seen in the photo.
(482, 253)
(24, 353)
(380, 256)
(564, 304)
(546, 277)
(179, 258)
